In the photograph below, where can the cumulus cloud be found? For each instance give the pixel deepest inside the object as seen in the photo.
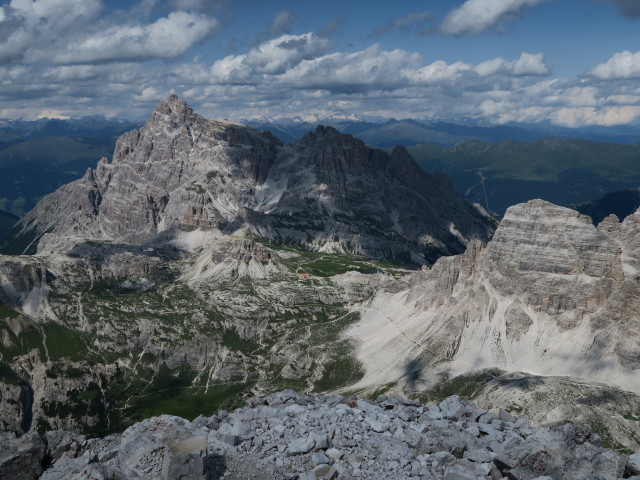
(404, 23)
(622, 65)
(167, 37)
(630, 8)
(371, 81)
(69, 31)
(527, 64)
(476, 16)
(27, 27)
(302, 76)
(303, 62)
(272, 57)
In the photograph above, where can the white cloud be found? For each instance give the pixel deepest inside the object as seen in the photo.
(527, 64)
(369, 68)
(272, 57)
(167, 37)
(476, 16)
(70, 32)
(622, 65)
(302, 62)
(530, 64)
(607, 116)
(28, 26)
(304, 76)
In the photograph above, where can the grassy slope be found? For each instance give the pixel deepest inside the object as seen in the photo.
(540, 160)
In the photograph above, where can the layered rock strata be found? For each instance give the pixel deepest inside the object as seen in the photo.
(551, 294)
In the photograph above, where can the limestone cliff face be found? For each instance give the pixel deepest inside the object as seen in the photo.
(550, 294)
(327, 191)
(178, 170)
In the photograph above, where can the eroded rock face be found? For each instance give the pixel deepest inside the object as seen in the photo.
(550, 294)
(287, 435)
(327, 191)
(148, 186)
(24, 283)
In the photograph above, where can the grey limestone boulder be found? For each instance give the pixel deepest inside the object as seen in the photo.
(21, 458)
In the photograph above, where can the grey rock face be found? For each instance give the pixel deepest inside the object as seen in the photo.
(330, 437)
(550, 294)
(169, 447)
(21, 458)
(326, 191)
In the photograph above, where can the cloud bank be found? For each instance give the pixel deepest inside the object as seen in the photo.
(68, 57)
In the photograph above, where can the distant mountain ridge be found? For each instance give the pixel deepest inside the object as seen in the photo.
(621, 203)
(36, 157)
(94, 126)
(560, 170)
(409, 132)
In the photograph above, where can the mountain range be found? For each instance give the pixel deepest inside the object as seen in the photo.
(207, 262)
(493, 166)
(382, 132)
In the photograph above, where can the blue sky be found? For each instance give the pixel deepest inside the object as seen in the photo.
(568, 62)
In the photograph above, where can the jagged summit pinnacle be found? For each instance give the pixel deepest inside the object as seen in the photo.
(173, 109)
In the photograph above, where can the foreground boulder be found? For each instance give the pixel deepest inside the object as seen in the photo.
(21, 458)
(289, 436)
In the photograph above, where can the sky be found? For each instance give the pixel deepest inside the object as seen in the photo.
(572, 63)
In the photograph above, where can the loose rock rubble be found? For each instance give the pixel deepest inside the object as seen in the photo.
(306, 437)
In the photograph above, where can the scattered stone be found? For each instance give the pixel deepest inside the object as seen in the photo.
(291, 436)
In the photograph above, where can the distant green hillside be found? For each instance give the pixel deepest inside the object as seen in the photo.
(30, 169)
(54, 151)
(562, 171)
(7, 221)
(621, 204)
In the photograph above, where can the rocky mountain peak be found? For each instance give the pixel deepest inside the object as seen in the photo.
(173, 111)
(181, 171)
